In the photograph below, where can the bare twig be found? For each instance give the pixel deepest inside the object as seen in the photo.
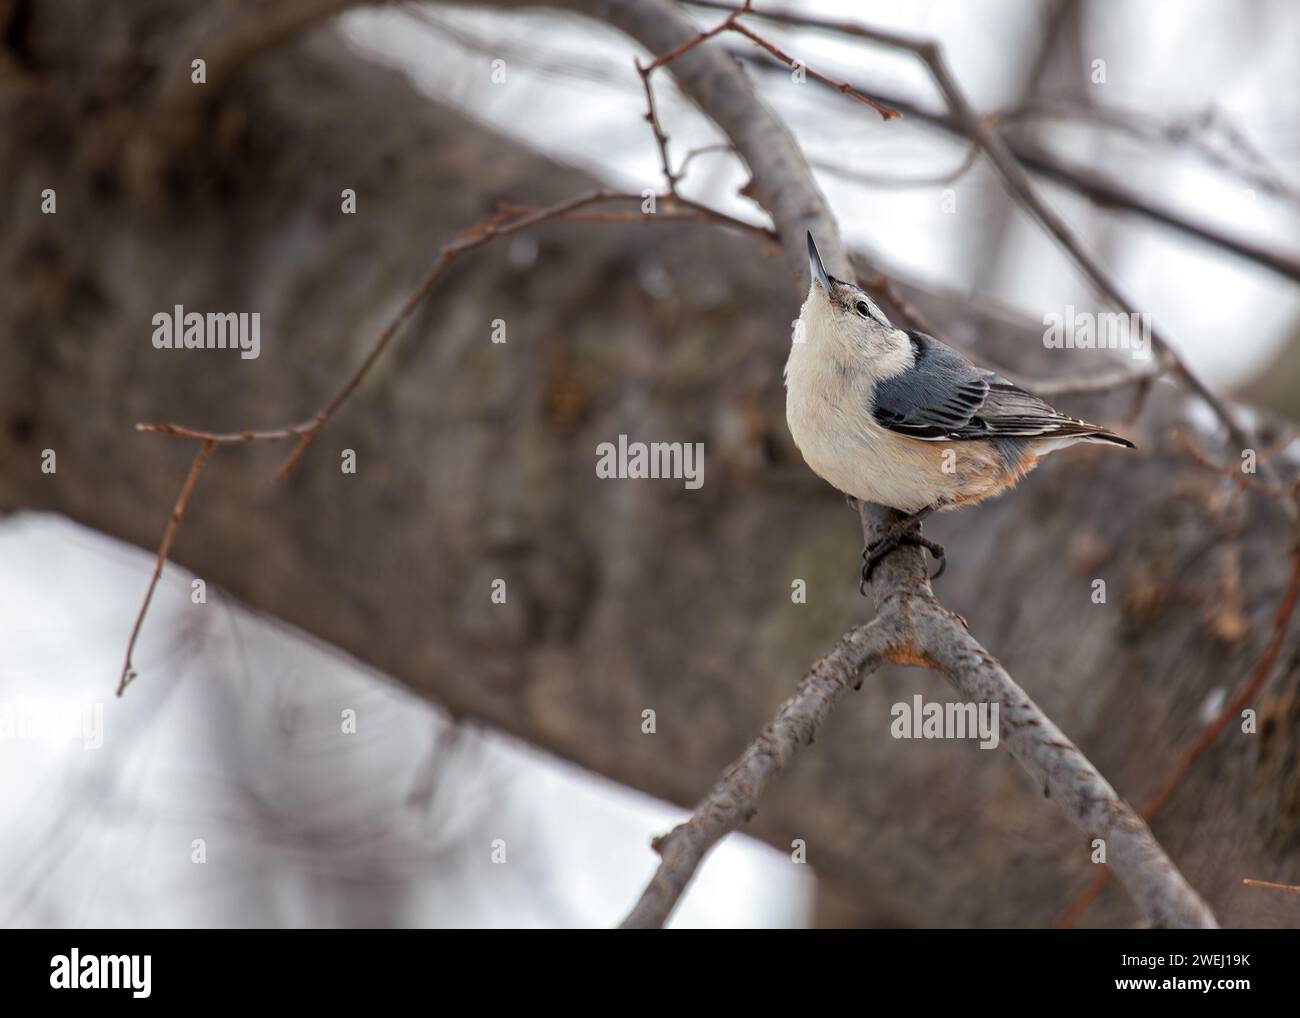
(1102, 381)
(689, 43)
(731, 23)
(843, 87)
(1289, 888)
(652, 118)
(881, 180)
(196, 467)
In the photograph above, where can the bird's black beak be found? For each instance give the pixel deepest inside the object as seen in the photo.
(815, 266)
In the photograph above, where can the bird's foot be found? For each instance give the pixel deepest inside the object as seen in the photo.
(904, 532)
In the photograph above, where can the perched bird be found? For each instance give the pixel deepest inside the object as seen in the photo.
(898, 418)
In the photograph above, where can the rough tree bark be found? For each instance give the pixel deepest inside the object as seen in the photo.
(477, 461)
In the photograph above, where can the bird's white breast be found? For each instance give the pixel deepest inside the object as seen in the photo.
(829, 413)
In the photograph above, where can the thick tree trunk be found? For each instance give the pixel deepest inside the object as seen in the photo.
(476, 461)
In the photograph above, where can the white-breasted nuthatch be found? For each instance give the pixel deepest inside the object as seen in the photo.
(898, 418)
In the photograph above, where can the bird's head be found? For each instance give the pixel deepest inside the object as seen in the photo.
(844, 316)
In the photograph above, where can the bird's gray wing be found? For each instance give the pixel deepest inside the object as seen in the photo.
(938, 397)
(944, 397)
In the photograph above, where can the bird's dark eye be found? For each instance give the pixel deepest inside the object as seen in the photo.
(862, 309)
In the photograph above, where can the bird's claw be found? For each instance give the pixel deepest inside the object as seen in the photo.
(874, 553)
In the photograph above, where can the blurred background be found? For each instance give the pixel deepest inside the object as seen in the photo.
(498, 774)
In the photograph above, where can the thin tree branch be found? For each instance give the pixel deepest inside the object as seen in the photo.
(1102, 381)
(1290, 888)
(843, 87)
(191, 478)
(652, 118)
(882, 180)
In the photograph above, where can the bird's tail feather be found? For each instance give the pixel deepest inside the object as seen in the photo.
(1107, 436)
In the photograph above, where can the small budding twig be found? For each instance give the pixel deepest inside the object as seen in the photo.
(1289, 888)
(661, 139)
(731, 23)
(200, 458)
(843, 87)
